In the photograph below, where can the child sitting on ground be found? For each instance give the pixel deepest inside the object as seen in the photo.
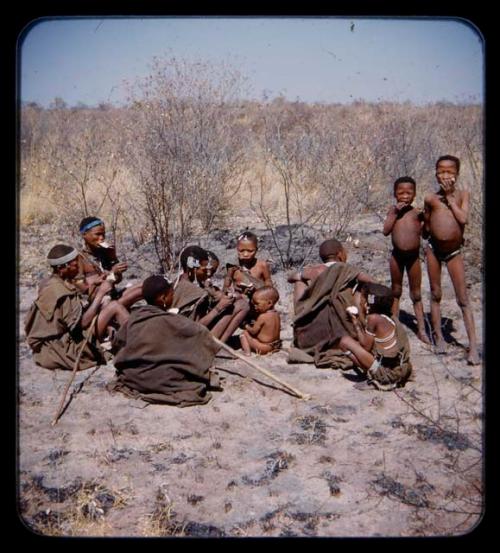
(263, 336)
(98, 262)
(381, 350)
(404, 223)
(251, 273)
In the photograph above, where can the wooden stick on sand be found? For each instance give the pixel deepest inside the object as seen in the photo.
(229, 349)
(75, 368)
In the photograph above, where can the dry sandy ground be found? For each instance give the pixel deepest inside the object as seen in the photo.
(257, 461)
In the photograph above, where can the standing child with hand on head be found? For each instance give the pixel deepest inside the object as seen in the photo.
(445, 216)
(251, 273)
(263, 336)
(404, 223)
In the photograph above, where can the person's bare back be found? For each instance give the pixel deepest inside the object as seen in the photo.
(267, 326)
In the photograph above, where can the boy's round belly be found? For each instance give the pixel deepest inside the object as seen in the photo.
(406, 241)
(446, 237)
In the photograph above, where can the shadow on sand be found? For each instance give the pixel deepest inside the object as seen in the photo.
(447, 327)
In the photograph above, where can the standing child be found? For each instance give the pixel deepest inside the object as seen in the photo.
(381, 349)
(251, 273)
(404, 223)
(263, 336)
(445, 216)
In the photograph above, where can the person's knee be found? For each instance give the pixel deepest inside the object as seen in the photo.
(436, 294)
(241, 306)
(462, 301)
(415, 296)
(344, 342)
(397, 290)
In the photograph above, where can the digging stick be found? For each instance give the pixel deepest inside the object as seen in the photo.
(229, 349)
(75, 368)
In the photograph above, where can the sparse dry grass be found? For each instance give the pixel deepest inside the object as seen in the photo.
(75, 163)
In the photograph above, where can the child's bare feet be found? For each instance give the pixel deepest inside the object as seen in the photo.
(422, 336)
(440, 347)
(473, 357)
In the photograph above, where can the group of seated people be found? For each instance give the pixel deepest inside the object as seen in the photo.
(160, 332)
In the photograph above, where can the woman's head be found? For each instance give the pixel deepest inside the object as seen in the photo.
(378, 298)
(213, 263)
(195, 263)
(93, 231)
(64, 261)
(157, 290)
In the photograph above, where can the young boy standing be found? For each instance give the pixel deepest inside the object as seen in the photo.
(445, 216)
(404, 223)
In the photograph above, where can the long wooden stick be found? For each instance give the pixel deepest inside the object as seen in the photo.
(75, 369)
(229, 349)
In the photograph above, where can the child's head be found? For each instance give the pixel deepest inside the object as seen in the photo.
(157, 290)
(377, 298)
(93, 231)
(194, 262)
(265, 298)
(64, 261)
(247, 247)
(213, 263)
(332, 250)
(447, 166)
(405, 189)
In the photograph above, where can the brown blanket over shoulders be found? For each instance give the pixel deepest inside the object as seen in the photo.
(53, 329)
(190, 299)
(320, 314)
(164, 357)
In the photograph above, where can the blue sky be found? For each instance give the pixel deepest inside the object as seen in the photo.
(311, 59)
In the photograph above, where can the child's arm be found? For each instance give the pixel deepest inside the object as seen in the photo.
(229, 278)
(364, 277)
(427, 216)
(459, 206)
(254, 329)
(266, 274)
(390, 219)
(364, 339)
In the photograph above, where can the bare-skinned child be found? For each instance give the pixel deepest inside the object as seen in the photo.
(404, 223)
(263, 336)
(445, 216)
(250, 273)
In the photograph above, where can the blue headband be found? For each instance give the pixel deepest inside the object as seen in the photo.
(90, 225)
